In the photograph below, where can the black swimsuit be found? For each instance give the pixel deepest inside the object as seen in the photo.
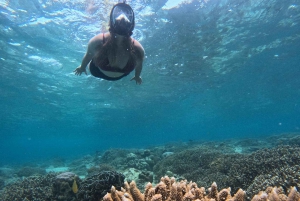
(95, 71)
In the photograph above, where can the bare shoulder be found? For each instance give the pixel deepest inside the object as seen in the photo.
(138, 47)
(97, 40)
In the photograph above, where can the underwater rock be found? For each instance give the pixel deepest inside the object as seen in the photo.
(102, 167)
(63, 186)
(131, 174)
(146, 153)
(146, 176)
(115, 158)
(92, 170)
(106, 167)
(30, 188)
(6, 172)
(288, 139)
(58, 162)
(166, 154)
(29, 171)
(140, 176)
(95, 187)
(66, 176)
(236, 170)
(57, 169)
(122, 159)
(2, 183)
(131, 156)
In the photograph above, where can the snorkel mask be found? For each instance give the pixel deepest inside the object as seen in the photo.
(122, 19)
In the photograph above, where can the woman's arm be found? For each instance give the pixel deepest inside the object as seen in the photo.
(140, 54)
(90, 53)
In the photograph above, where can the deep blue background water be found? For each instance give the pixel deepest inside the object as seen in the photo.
(214, 70)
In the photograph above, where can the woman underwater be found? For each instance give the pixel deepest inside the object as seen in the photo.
(115, 54)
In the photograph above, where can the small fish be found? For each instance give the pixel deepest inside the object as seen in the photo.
(74, 187)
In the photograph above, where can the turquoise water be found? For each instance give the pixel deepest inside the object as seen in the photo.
(214, 70)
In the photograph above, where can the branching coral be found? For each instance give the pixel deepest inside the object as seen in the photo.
(170, 190)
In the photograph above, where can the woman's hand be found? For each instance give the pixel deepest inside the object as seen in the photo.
(79, 70)
(138, 80)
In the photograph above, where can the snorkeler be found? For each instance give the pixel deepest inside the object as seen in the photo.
(115, 54)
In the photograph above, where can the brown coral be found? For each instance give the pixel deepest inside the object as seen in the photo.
(293, 195)
(199, 193)
(169, 190)
(189, 196)
(173, 192)
(127, 197)
(126, 187)
(147, 189)
(107, 197)
(224, 194)
(239, 196)
(273, 195)
(213, 194)
(157, 197)
(161, 189)
(135, 192)
(116, 196)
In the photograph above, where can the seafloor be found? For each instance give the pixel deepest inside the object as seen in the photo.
(248, 164)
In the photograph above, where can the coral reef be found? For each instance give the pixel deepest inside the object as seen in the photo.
(285, 176)
(193, 164)
(95, 187)
(57, 187)
(2, 183)
(29, 171)
(134, 164)
(31, 188)
(62, 188)
(122, 159)
(102, 167)
(292, 139)
(170, 190)
(49, 187)
(65, 187)
(255, 171)
(141, 177)
(240, 164)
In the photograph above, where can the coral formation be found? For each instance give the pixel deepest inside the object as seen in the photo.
(29, 171)
(102, 167)
(170, 190)
(55, 187)
(63, 189)
(255, 171)
(203, 163)
(95, 187)
(2, 183)
(31, 188)
(135, 192)
(123, 159)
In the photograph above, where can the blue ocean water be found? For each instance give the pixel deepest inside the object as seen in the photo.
(214, 70)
